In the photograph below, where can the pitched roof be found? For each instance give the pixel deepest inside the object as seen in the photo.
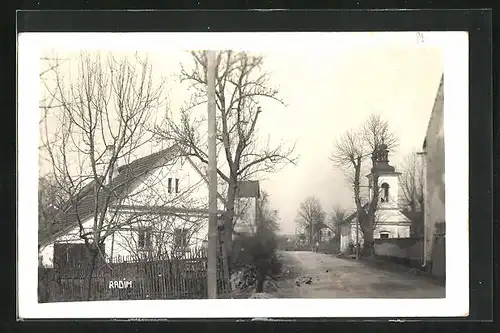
(440, 88)
(321, 225)
(121, 185)
(413, 216)
(353, 215)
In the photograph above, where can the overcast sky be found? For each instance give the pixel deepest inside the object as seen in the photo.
(327, 92)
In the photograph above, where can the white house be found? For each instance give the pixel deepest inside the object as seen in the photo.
(434, 185)
(325, 234)
(159, 204)
(390, 222)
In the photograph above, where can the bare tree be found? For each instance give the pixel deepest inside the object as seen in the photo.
(411, 182)
(47, 102)
(241, 84)
(255, 252)
(337, 217)
(267, 217)
(351, 151)
(310, 217)
(103, 116)
(51, 202)
(50, 65)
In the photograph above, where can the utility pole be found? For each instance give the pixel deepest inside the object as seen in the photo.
(422, 155)
(357, 239)
(212, 180)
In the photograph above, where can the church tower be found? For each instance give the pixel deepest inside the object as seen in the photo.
(388, 179)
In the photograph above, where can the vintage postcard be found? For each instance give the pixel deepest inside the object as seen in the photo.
(246, 174)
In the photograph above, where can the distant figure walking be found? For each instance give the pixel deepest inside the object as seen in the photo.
(316, 247)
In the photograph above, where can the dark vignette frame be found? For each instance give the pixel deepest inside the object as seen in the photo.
(477, 22)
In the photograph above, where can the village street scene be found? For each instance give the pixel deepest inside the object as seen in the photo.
(191, 174)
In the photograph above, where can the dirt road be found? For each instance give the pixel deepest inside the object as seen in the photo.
(317, 275)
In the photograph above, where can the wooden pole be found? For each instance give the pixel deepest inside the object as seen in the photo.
(212, 179)
(357, 239)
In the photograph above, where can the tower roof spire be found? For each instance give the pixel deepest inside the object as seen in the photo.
(382, 159)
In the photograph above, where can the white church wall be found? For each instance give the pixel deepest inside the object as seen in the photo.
(393, 231)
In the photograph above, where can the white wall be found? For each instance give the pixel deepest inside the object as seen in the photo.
(435, 171)
(394, 231)
(346, 237)
(193, 190)
(125, 241)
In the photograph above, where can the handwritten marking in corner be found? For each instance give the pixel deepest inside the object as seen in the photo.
(420, 37)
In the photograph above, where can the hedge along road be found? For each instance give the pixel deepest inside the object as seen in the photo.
(318, 275)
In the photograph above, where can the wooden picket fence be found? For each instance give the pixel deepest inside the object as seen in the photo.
(131, 279)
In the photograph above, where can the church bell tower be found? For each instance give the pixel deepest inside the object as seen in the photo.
(388, 178)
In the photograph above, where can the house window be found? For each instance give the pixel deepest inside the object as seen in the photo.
(144, 239)
(180, 238)
(170, 185)
(329, 233)
(384, 236)
(176, 185)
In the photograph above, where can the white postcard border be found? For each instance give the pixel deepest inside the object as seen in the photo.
(456, 303)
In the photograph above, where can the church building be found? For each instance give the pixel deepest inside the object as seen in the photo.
(390, 222)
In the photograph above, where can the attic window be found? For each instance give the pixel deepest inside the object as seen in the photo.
(384, 235)
(176, 185)
(170, 185)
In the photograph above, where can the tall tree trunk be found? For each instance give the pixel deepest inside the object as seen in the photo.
(310, 233)
(367, 250)
(261, 278)
(371, 214)
(91, 266)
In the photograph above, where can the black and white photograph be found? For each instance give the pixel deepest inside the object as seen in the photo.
(245, 169)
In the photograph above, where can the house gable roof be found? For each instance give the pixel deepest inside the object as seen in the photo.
(413, 216)
(321, 225)
(440, 88)
(353, 215)
(84, 206)
(404, 218)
